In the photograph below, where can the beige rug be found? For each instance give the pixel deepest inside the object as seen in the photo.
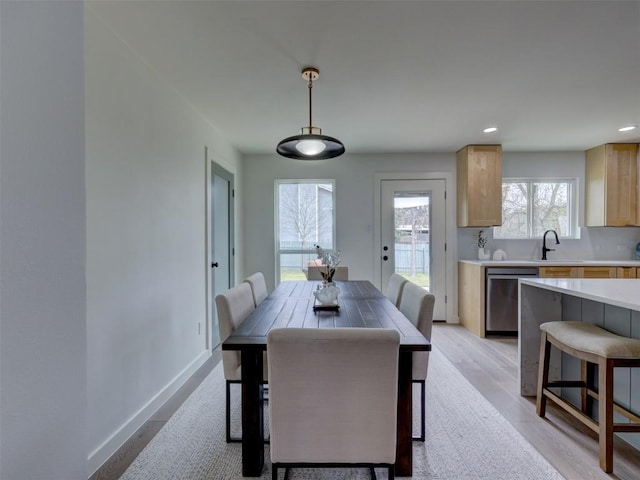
(467, 438)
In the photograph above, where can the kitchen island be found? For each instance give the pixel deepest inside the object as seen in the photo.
(613, 304)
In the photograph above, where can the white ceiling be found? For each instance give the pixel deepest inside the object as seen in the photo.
(398, 76)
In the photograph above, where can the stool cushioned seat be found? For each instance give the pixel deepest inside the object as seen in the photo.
(590, 338)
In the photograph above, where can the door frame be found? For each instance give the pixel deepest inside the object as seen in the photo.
(213, 168)
(450, 232)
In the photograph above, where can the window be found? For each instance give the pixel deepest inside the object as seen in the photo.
(531, 206)
(305, 218)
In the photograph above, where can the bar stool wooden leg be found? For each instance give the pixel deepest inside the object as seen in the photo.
(587, 377)
(605, 410)
(543, 374)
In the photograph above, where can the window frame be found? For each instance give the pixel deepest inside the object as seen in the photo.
(303, 251)
(572, 208)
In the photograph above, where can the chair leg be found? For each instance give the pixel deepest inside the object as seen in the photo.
(587, 370)
(392, 472)
(605, 410)
(423, 407)
(543, 374)
(372, 471)
(228, 411)
(422, 412)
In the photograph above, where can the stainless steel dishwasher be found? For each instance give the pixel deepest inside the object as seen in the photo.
(501, 315)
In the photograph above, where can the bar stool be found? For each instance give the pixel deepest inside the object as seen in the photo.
(594, 346)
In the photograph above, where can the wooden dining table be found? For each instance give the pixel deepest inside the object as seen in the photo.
(361, 305)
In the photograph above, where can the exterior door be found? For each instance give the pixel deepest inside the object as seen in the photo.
(221, 247)
(413, 235)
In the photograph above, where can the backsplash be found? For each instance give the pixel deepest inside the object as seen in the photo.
(595, 243)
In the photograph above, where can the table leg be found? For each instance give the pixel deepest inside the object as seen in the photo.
(404, 443)
(252, 413)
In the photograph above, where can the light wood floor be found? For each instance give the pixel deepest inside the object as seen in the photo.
(490, 365)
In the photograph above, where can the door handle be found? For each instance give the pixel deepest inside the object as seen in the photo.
(214, 264)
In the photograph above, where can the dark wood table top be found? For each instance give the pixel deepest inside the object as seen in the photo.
(291, 305)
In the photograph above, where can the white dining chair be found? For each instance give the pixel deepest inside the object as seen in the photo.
(314, 272)
(417, 305)
(333, 397)
(233, 307)
(394, 288)
(258, 287)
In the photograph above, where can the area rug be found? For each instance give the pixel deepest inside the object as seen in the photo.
(467, 439)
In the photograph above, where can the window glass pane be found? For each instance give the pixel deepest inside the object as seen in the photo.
(550, 208)
(515, 208)
(305, 219)
(532, 206)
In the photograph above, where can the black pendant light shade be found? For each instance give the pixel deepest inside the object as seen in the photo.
(310, 147)
(310, 144)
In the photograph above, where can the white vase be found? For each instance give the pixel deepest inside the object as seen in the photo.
(483, 254)
(327, 295)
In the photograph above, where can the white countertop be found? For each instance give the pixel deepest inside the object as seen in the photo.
(622, 292)
(552, 263)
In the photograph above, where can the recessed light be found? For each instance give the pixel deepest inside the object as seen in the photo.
(490, 129)
(628, 128)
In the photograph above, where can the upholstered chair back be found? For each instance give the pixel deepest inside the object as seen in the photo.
(394, 288)
(341, 275)
(258, 287)
(333, 395)
(233, 307)
(417, 305)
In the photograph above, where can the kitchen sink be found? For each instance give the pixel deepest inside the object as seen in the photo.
(560, 262)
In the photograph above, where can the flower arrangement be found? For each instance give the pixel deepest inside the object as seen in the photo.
(330, 260)
(482, 240)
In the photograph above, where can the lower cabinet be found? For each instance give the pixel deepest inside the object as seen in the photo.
(558, 272)
(597, 272)
(626, 272)
(472, 286)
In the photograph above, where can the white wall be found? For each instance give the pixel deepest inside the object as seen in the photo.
(603, 243)
(146, 267)
(354, 176)
(42, 242)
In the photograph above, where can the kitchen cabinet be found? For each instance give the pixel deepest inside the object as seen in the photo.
(471, 288)
(558, 272)
(479, 186)
(611, 185)
(597, 272)
(472, 282)
(626, 272)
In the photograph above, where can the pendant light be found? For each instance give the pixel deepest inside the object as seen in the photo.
(310, 144)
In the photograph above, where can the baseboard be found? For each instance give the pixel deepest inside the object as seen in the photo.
(101, 454)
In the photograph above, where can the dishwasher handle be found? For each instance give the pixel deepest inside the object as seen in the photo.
(511, 277)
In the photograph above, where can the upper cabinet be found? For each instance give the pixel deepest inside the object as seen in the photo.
(611, 185)
(479, 174)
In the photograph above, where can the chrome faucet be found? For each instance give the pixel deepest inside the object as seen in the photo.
(544, 243)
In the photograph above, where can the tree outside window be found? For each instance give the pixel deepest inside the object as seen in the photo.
(305, 219)
(531, 206)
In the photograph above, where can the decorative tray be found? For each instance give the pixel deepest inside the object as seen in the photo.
(326, 308)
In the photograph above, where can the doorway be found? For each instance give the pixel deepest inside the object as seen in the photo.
(413, 235)
(220, 241)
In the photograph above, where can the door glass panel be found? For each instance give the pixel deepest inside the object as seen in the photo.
(412, 236)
